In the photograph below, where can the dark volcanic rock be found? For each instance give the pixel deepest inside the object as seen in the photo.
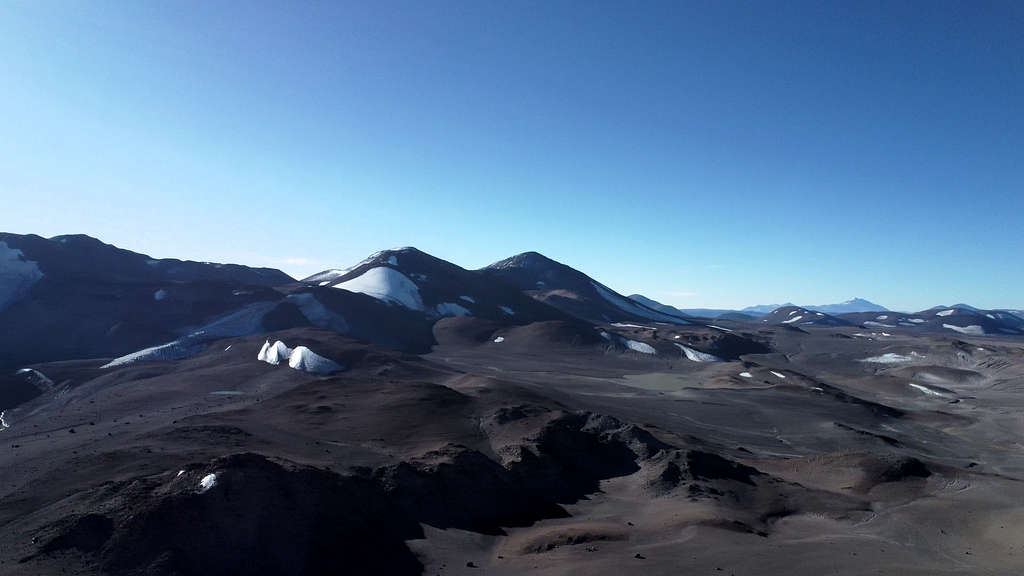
(259, 518)
(712, 466)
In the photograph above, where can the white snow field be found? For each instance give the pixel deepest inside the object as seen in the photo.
(972, 330)
(304, 359)
(170, 351)
(641, 347)
(299, 358)
(928, 391)
(317, 314)
(386, 284)
(207, 482)
(697, 355)
(889, 358)
(274, 353)
(36, 377)
(247, 320)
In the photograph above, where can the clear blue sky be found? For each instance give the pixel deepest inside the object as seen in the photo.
(704, 154)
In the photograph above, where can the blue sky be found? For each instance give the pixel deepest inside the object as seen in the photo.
(704, 154)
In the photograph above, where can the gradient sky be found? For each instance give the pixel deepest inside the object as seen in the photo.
(704, 154)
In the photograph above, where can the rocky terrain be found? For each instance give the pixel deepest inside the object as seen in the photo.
(380, 430)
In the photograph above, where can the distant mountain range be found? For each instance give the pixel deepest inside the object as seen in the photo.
(960, 318)
(694, 312)
(797, 316)
(850, 306)
(76, 297)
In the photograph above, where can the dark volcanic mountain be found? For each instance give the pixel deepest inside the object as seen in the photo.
(848, 307)
(798, 317)
(655, 305)
(694, 312)
(762, 309)
(959, 319)
(76, 297)
(415, 280)
(572, 291)
(393, 299)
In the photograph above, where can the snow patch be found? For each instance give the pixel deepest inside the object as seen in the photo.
(274, 353)
(746, 375)
(301, 358)
(317, 314)
(207, 482)
(386, 284)
(878, 324)
(247, 320)
(159, 294)
(778, 374)
(719, 328)
(917, 320)
(927, 390)
(791, 320)
(697, 355)
(499, 339)
(468, 299)
(36, 378)
(624, 325)
(507, 310)
(949, 312)
(889, 358)
(171, 351)
(452, 309)
(304, 359)
(3, 423)
(641, 347)
(972, 330)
